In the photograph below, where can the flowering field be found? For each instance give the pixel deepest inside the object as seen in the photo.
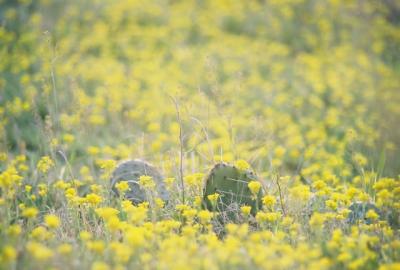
(297, 98)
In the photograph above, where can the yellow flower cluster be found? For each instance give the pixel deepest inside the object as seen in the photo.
(44, 164)
(147, 181)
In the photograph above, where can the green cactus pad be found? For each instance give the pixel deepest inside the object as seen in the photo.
(231, 184)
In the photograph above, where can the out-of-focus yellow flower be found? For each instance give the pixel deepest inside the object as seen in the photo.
(40, 233)
(390, 266)
(60, 184)
(44, 164)
(85, 235)
(14, 230)
(54, 142)
(97, 265)
(204, 216)
(122, 186)
(28, 188)
(64, 249)
(93, 150)
(68, 138)
(42, 189)
(193, 180)
(147, 182)
(360, 159)
(52, 221)
(254, 187)
(107, 212)
(331, 204)
(267, 217)
(213, 198)
(317, 220)
(3, 156)
(319, 184)
(30, 212)
(189, 214)
(93, 199)
(301, 192)
(269, 201)
(107, 165)
(242, 165)
(38, 251)
(159, 202)
(169, 181)
(371, 214)
(122, 252)
(198, 201)
(8, 253)
(245, 210)
(97, 246)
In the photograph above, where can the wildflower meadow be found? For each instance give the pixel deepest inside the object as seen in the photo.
(200, 134)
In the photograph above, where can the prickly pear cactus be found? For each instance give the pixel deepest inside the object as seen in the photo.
(231, 184)
(130, 171)
(359, 211)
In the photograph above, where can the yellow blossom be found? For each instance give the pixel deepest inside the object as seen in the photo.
(93, 199)
(245, 210)
(269, 201)
(331, 204)
(44, 164)
(96, 246)
(122, 186)
(39, 251)
(106, 212)
(85, 235)
(30, 212)
(317, 220)
(204, 216)
(242, 165)
(52, 221)
(8, 253)
(371, 214)
(98, 265)
(64, 249)
(301, 192)
(14, 230)
(254, 187)
(213, 198)
(147, 182)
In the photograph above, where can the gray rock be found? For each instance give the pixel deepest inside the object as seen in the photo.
(130, 171)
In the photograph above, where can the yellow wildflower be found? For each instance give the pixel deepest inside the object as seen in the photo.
(213, 198)
(269, 201)
(122, 186)
(52, 221)
(38, 251)
(242, 165)
(93, 199)
(254, 187)
(245, 210)
(147, 182)
(204, 216)
(44, 164)
(30, 212)
(371, 214)
(64, 249)
(97, 265)
(8, 253)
